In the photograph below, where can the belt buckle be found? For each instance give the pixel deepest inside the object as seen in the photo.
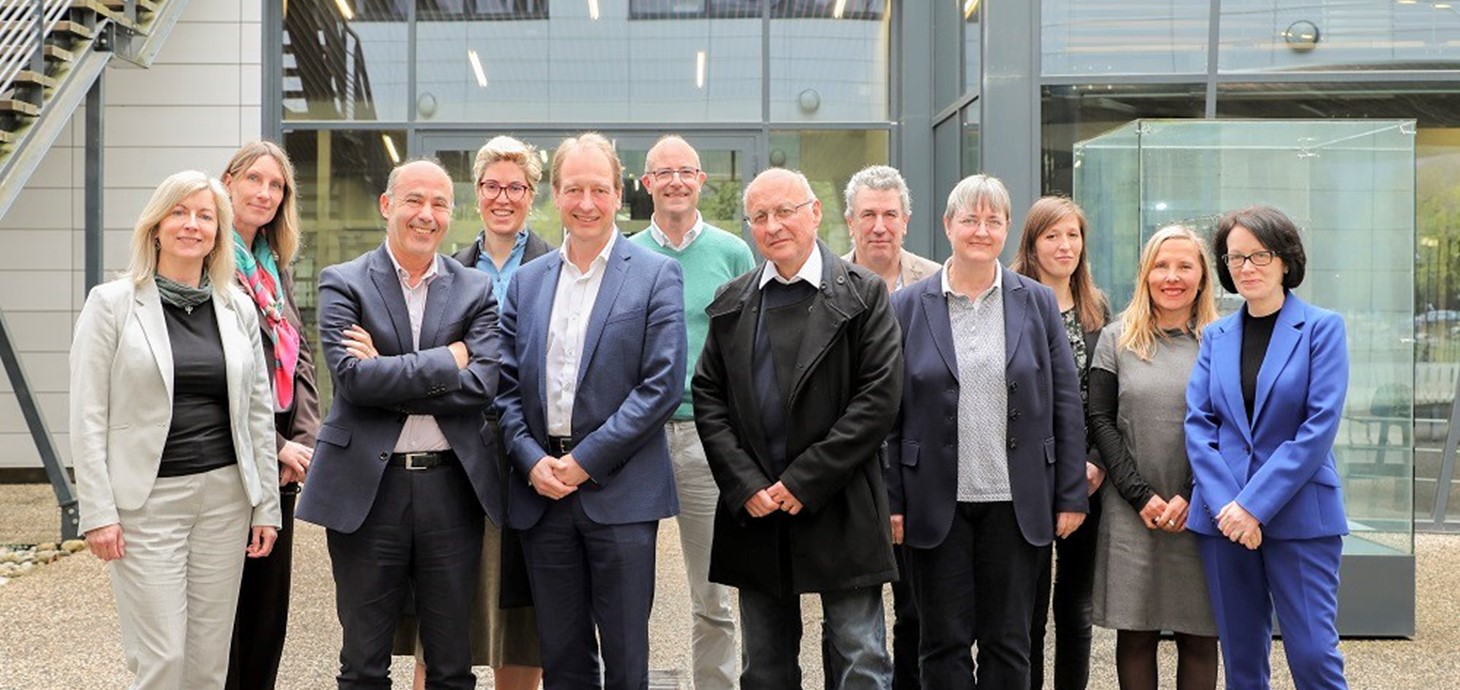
(411, 461)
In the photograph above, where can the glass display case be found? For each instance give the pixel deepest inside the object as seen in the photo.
(1350, 186)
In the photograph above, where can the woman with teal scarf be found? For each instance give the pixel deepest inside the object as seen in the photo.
(260, 181)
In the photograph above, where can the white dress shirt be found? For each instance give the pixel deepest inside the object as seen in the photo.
(810, 271)
(689, 237)
(420, 432)
(572, 305)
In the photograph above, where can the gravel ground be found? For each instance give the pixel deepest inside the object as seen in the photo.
(60, 628)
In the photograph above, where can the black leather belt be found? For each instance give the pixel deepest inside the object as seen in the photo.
(422, 461)
(558, 446)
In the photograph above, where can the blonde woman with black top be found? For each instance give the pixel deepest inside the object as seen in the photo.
(1148, 574)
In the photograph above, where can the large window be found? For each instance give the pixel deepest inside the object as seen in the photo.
(1094, 37)
(829, 158)
(1338, 34)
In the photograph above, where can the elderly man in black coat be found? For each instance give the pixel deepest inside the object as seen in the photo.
(795, 392)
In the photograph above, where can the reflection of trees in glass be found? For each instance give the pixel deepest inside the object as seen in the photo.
(1437, 276)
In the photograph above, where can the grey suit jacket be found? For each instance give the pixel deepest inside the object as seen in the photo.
(121, 400)
(911, 267)
(373, 397)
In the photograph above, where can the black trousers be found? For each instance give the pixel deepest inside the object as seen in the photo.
(263, 608)
(977, 587)
(1073, 593)
(424, 531)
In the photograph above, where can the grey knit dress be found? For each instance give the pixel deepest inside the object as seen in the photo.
(1149, 579)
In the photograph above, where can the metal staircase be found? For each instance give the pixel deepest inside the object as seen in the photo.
(52, 52)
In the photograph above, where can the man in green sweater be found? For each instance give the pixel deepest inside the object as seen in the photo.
(710, 257)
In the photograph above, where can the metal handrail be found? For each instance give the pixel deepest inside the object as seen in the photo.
(24, 25)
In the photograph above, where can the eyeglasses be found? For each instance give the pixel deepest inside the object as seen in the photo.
(490, 190)
(782, 214)
(664, 175)
(993, 224)
(1234, 261)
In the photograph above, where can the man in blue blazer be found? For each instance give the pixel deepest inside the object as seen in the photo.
(401, 476)
(593, 363)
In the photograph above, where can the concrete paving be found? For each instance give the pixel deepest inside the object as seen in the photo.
(58, 626)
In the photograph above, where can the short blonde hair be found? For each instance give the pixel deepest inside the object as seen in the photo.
(978, 189)
(510, 150)
(592, 141)
(283, 231)
(1140, 330)
(218, 265)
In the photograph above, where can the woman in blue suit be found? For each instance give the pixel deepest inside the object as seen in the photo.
(1263, 407)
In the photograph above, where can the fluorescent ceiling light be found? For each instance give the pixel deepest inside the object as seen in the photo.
(476, 67)
(593, 10)
(969, 7)
(700, 59)
(345, 10)
(390, 149)
(840, 9)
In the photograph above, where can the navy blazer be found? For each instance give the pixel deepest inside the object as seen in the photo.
(1046, 428)
(372, 397)
(630, 379)
(1279, 466)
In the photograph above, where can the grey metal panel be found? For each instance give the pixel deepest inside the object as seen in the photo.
(1010, 103)
(271, 69)
(1376, 596)
(95, 199)
(913, 140)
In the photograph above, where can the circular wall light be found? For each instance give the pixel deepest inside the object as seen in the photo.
(809, 101)
(426, 104)
(1302, 36)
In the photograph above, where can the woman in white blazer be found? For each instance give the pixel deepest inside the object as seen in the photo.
(172, 437)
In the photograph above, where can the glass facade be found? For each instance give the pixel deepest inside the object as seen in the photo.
(829, 86)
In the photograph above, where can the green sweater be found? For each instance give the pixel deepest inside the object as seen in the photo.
(711, 260)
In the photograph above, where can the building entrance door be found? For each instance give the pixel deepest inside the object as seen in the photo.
(730, 160)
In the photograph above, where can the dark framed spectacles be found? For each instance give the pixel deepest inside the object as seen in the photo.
(491, 189)
(1234, 260)
(664, 175)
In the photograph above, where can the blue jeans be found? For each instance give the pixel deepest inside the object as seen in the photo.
(771, 636)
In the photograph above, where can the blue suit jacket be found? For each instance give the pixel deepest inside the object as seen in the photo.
(372, 397)
(1046, 428)
(629, 381)
(1279, 467)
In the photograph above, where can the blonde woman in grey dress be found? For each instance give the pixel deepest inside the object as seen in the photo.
(1148, 574)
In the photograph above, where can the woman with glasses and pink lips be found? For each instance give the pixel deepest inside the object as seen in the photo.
(504, 629)
(1052, 251)
(1148, 576)
(1263, 407)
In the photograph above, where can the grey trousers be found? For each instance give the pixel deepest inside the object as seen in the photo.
(177, 584)
(712, 636)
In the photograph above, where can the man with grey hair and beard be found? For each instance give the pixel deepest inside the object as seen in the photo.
(877, 210)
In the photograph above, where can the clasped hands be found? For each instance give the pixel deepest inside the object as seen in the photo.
(1167, 516)
(772, 498)
(1239, 526)
(557, 477)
